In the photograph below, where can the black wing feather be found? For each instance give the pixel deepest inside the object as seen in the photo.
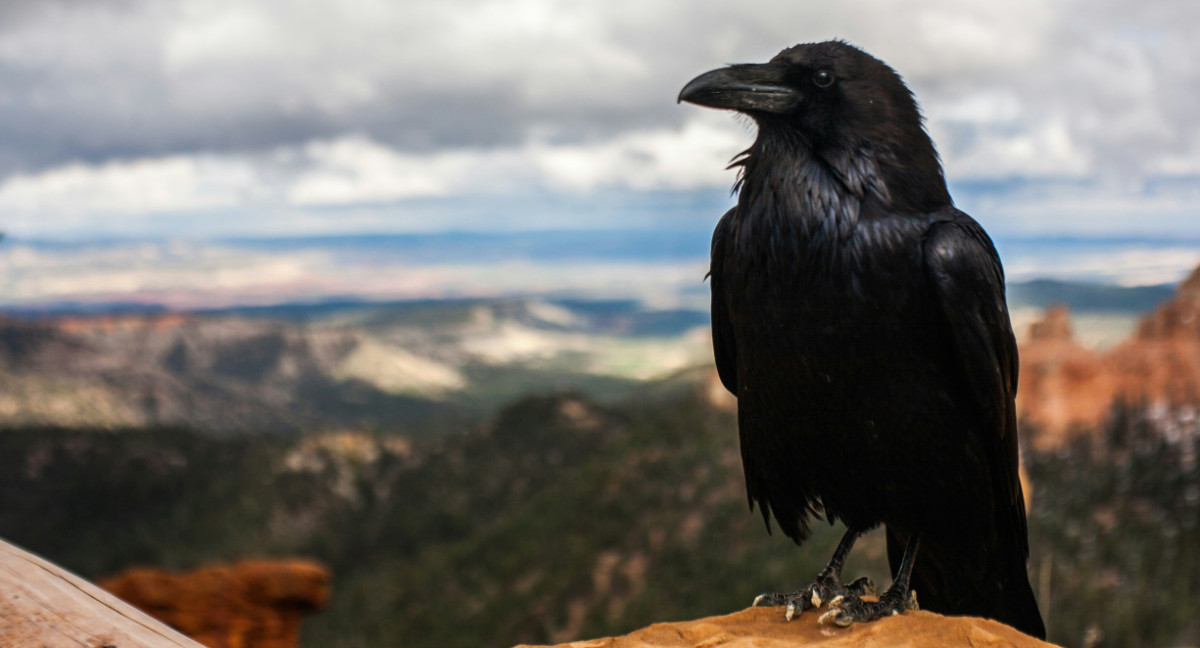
(724, 344)
(968, 281)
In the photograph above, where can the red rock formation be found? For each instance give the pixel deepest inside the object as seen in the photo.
(766, 628)
(1066, 388)
(250, 604)
(1161, 363)
(1063, 386)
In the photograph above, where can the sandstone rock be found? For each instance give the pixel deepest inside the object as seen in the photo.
(251, 604)
(1062, 386)
(1065, 388)
(1055, 325)
(766, 628)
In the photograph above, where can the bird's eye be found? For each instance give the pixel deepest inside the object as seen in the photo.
(823, 78)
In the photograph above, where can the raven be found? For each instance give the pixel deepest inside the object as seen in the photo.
(860, 320)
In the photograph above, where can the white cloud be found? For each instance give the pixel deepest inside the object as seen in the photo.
(197, 275)
(1128, 266)
(172, 183)
(134, 109)
(998, 152)
(216, 34)
(993, 106)
(693, 156)
(353, 170)
(171, 273)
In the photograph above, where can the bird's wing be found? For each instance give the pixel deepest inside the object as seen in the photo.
(724, 345)
(968, 281)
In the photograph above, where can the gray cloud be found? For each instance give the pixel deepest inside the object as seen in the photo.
(223, 101)
(95, 81)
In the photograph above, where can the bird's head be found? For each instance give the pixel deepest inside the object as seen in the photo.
(834, 100)
(825, 90)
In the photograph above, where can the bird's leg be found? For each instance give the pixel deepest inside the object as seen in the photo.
(899, 597)
(827, 586)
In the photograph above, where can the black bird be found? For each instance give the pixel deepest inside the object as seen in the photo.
(860, 320)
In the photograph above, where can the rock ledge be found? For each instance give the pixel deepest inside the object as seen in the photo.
(766, 628)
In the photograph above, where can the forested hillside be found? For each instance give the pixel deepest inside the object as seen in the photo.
(563, 518)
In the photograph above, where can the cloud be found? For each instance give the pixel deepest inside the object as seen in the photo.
(137, 79)
(355, 170)
(1126, 265)
(142, 110)
(182, 274)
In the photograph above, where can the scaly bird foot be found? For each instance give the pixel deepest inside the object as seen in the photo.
(815, 595)
(844, 611)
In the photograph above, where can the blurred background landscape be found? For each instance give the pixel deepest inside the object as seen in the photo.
(416, 291)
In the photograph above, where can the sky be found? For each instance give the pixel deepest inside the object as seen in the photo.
(183, 118)
(185, 121)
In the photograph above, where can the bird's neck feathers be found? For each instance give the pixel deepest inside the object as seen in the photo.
(787, 175)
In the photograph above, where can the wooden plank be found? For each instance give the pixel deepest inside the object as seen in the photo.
(43, 605)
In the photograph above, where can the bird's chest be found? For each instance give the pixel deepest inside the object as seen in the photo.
(813, 281)
(833, 314)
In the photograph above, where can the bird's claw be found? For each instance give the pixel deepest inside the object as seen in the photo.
(794, 603)
(825, 591)
(836, 617)
(844, 612)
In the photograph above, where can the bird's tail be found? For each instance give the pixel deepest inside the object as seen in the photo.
(944, 584)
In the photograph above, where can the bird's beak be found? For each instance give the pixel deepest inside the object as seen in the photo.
(745, 88)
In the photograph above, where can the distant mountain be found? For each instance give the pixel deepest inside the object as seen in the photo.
(217, 374)
(421, 367)
(598, 316)
(1080, 296)
(1084, 296)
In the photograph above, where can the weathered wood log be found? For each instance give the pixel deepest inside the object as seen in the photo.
(43, 605)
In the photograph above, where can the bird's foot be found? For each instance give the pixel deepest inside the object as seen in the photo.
(824, 589)
(844, 611)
